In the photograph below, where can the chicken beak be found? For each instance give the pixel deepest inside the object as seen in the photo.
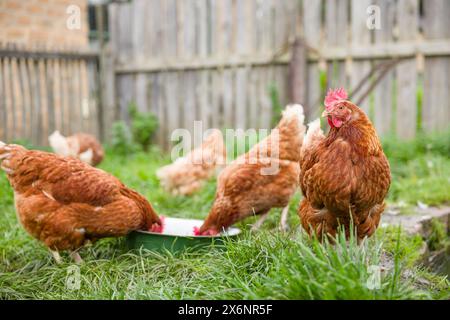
(325, 114)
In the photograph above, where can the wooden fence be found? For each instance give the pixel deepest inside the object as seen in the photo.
(200, 60)
(215, 60)
(42, 91)
(219, 60)
(412, 95)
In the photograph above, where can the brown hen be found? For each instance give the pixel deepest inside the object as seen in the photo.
(266, 177)
(66, 203)
(345, 176)
(80, 145)
(189, 173)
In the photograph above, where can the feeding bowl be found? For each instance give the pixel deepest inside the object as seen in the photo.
(177, 235)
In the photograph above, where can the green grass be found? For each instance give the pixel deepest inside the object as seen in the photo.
(420, 169)
(263, 265)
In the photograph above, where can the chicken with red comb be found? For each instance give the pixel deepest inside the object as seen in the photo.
(344, 176)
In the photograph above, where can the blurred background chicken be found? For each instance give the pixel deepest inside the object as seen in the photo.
(189, 173)
(80, 145)
(344, 176)
(264, 178)
(65, 203)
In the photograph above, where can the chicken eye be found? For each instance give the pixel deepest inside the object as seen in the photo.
(341, 107)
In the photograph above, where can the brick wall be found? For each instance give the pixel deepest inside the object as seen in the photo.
(42, 23)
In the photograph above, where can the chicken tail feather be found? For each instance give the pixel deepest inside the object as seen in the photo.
(294, 111)
(7, 156)
(313, 134)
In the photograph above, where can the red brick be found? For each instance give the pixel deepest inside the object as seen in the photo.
(12, 4)
(23, 20)
(35, 9)
(3, 17)
(39, 36)
(41, 21)
(56, 12)
(14, 33)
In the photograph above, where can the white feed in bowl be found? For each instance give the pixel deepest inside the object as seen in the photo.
(185, 227)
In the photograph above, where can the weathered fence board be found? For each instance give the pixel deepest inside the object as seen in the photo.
(8, 99)
(336, 30)
(436, 106)
(383, 102)
(313, 37)
(43, 91)
(406, 116)
(57, 96)
(360, 36)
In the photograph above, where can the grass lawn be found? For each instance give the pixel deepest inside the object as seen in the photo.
(261, 265)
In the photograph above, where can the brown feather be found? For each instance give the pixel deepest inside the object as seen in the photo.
(244, 190)
(64, 202)
(85, 142)
(344, 177)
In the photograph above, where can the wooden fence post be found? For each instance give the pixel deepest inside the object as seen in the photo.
(297, 72)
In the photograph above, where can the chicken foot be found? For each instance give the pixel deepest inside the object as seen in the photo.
(76, 257)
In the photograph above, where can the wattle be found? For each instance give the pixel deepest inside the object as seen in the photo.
(337, 122)
(330, 123)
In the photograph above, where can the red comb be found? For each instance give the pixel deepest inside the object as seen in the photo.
(156, 227)
(334, 95)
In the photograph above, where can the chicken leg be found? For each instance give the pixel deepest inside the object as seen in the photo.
(260, 221)
(56, 256)
(283, 221)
